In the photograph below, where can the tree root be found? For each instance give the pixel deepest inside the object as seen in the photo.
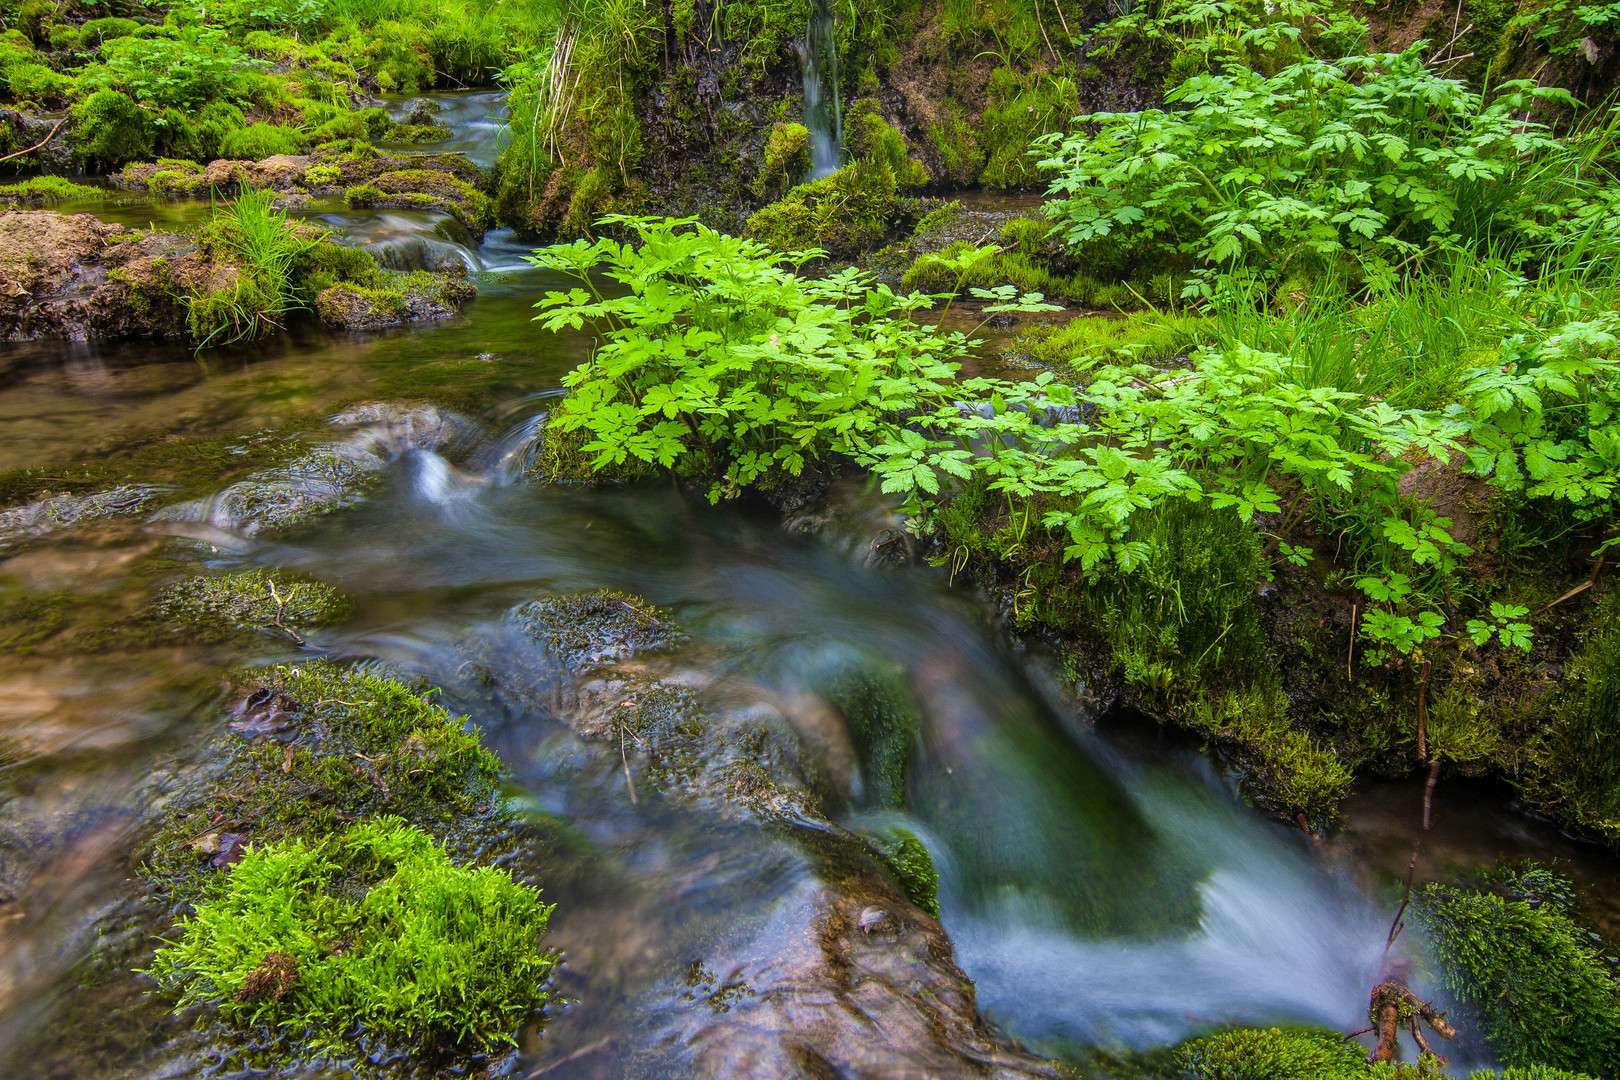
(1393, 1005)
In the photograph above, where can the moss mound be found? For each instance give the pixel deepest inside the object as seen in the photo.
(45, 191)
(1273, 1054)
(254, 601)
(1514, 954)
(426, 189)
(319, 746)
(588, 629)
(374, 925)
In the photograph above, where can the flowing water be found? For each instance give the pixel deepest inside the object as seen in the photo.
(823, 106)
(1103, 886)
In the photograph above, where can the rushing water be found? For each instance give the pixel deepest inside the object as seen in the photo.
(823, 107)
(1101, 887)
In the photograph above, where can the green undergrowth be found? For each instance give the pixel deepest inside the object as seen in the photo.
(1576, 754)
(250, 80)
(373, 925)
(1542, 988)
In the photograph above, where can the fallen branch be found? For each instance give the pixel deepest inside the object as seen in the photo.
(39, 144)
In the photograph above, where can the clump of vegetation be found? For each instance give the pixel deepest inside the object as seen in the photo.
(736, 370)
(324, 745)
(1512, 951)
(254, 601)
(853, 210)
(374, 926)
(265, 247)
(1575, 765)
(908, 860)
(46, 191)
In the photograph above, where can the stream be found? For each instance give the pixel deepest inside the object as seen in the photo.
(1101, 881)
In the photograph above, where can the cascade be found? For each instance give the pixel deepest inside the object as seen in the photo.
(823, 113)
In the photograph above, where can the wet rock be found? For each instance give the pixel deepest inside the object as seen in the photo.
(60, 512)
(401, 298)
(72, 276)
(854, 979)
(253, 601)
(330, 477)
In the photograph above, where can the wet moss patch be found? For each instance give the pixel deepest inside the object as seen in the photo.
(913, 868)
(588, 629)
(314, 747)
(253, 601)
(374, 926)
(1542, 989)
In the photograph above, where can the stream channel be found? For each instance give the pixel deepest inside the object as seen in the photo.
(1101, 882)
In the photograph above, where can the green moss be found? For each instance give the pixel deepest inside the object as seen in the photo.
(883, 721)
(372, 926)
(356, 744)
(1273, 1054)
(846, 213)
(1285, 771)
(108, 127)
(46, 191)
(1543, 992)
(1575, 757)
(259, 141)
(1147, 337)
(787, 158)
(416, 133)
(913, 868)
(1021, 108)
(253, 601)
(1188, 616)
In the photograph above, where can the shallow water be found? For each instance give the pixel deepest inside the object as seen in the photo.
(1102, 887)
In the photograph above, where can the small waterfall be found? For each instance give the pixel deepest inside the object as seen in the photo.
(824, 116)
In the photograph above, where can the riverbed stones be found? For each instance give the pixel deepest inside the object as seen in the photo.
(854, 979)
(58, 512)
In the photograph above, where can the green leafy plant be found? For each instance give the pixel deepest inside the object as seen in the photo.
(1374, 163)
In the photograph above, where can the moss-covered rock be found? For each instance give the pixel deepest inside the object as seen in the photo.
(374, 925)
(250, 601)
(46, 191)
(394, 299)
(1543, 992)
(426, 189)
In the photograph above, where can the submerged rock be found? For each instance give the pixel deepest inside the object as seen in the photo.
(853, 978)
(59, 512)
(253, 601)
(330, 477)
